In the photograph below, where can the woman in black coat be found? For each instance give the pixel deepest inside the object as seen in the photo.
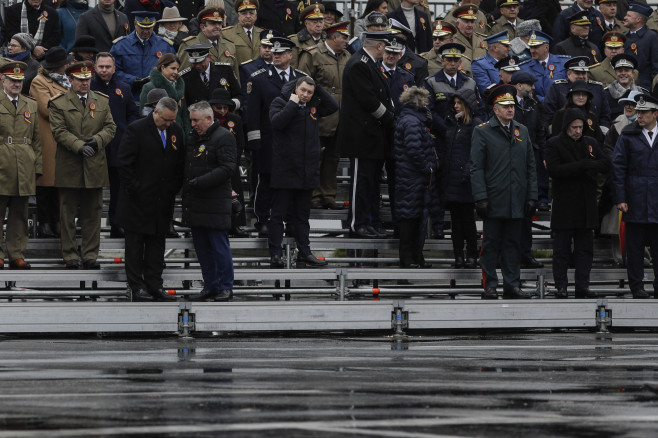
(455, 153)
(579, 96)
(573, 161)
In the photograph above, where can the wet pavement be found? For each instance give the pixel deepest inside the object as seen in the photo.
(502, 384)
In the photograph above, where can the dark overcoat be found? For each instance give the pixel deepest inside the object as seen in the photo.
(92, 23)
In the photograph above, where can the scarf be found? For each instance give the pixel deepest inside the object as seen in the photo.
(62, 80)
(221, 120)
(617, 91)
(21, 56)
(163, 31)
(42, 24)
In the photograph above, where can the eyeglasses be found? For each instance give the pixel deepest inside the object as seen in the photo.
(16, 46)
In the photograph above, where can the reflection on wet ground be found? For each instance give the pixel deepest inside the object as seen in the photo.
(539, 383)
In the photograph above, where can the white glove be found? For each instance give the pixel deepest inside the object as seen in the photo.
(294, 98)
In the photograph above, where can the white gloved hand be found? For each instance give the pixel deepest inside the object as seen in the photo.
(294, 98)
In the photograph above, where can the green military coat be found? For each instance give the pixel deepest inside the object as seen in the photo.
(433, 62)
(245, 50)
(71, 124)
(20, 146)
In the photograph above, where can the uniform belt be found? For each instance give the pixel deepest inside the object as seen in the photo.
(10, 140)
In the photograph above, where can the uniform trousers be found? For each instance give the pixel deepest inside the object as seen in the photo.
(583, 253)
(639, 235)
(214, 254)
(326, 194)
(462, 217)
(501, 237)
(16, 234)
(90, 202)
(293, 205)
(115, 188)
(365, 175)
(144, 260)
(262, 194)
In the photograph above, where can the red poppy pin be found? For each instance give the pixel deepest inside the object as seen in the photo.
(27, 116)
(312, 113)
(158, 54)
(407, 66)
(118, 92)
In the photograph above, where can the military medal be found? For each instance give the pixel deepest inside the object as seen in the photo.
(158, 54)
(92, 108)
(27, 116)
(223, 83)
(118, 92)
(173, 142)
(288, 14)
(383, 71)
(422, 21)
(312, 113)
(231, 125)
(551, 69)
(481, 24)
(634, 48)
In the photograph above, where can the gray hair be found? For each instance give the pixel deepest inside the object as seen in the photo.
(203, 107)
(166, 103)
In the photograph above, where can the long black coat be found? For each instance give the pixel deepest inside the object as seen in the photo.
(296, 145)
(574, 185)
(92, 23)
(151, 175)
(211, 160)
(365, 94)
(221, 75)
(51, 34)
(422, 41)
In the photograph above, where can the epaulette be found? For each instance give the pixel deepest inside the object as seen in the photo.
(191, 37)
(352, 40)
(561, 81)
(57, 96)
(291, 35)
(303, 73)
(29, 97)
(257, 72)
(423, 54)
(185, 70)
(594, 65)
(118, 39)
(595, 82)
(222, 63)
(102, 94)
(483, 124)
(227, 28)
(525, 62)
(310, 49)
(246, 62)
(171, 43)
(483, 35)
(563, 56)
(481, 57)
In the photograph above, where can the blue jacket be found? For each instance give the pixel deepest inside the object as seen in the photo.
(123, 109)
(136, 61)
(415, 162)
(484, 72)
(546, 76)
(644, 47)
(635, 175)
(68, 20)
(399, 81)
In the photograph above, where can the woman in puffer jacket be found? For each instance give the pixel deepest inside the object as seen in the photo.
(456, 179)
(415, 172)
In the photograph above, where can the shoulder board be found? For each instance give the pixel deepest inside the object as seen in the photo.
(301, 72)
(57, 96)
(563, 56)
(479, 59)
(246, 62)
(29, 97)
(102, 94)
(595, 82)
(185, 70)
(483, 124)
(561, 81)
(225, 39)
(310, 49)
(171, 43)
(594, 65)
(191, 37)
(227, 28)
(222, 63)
(525, 62)
(352, 40)
(291, 35)
(483, 35)
(118, 39)
(257, 72)
(423, 54)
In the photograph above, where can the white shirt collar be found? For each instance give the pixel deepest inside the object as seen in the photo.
(329, 48)
(10, 98)
(278, 71)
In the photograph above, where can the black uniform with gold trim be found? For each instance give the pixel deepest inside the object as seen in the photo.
(221, 75)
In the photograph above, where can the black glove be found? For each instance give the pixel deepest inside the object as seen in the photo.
(482, 208)
(139, 82)
(590, 164)
(87, 151)
(388, 119)
(194, 182)
(530, 208)
(91, 141)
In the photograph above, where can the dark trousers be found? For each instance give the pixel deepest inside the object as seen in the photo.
(583, 253)
(293, 205)
(236, 185)
(47, 205)
(637, 237)
(542, 179)
(365, 175)
(462, 216)
(328, 167)
(526, 239)
(144, 260)
(214, 254)
(411, 244)
(115, 188)
(262, 197)
(502, 237)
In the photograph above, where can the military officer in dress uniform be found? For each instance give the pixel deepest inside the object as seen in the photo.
(544, 65)
(136, 54)
(264, 59)
(312, 18)
(325, 63)
(610, 22)
(211, 20)
(262, 87)
(613, 44)
(204, 76)
(557, 95)
(245, 35)
(82, 125)
(508, 20)
(642, 43)
(561, 25)
(577, 44)
(484, 69)
(624, 65)
(398, 78)
(506, 68)
(411, 62)
(20, 161)
(467, 36)
(442, 34)
(480, 20)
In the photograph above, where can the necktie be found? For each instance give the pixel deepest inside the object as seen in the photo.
(249, 34)
(164, 140)
(283, 77)
(452, 83)
(543, 64)
(84, 101)
(15, 102)
(204, 78)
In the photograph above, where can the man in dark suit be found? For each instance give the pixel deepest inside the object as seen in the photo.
(104, 23)
(151, 157)
(42, 22)
(280, 16)
(365, 130)
(124, 112)
(409, 61)
(421, 26)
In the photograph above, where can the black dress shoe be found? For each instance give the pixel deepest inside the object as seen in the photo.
(172, 234)
(586, 293)
(161, 295)
(425, 265)
(317, 205)
(331, 205)
(203, 295)
(363, 233)
(46, 231)
(490, 294)
(73, 264)
(409, 266)
(531, 263)
(91, 264)
(263, 230)
(640, 294)
(141, 295)
(276, 262)
(517, 294)
(309, 261)
(117, 232)
(471, 263)
(562, 294)
(383, 232)
(437, 234)
(239, 232)
(459, 262)
(542, 206)
(224, 295)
